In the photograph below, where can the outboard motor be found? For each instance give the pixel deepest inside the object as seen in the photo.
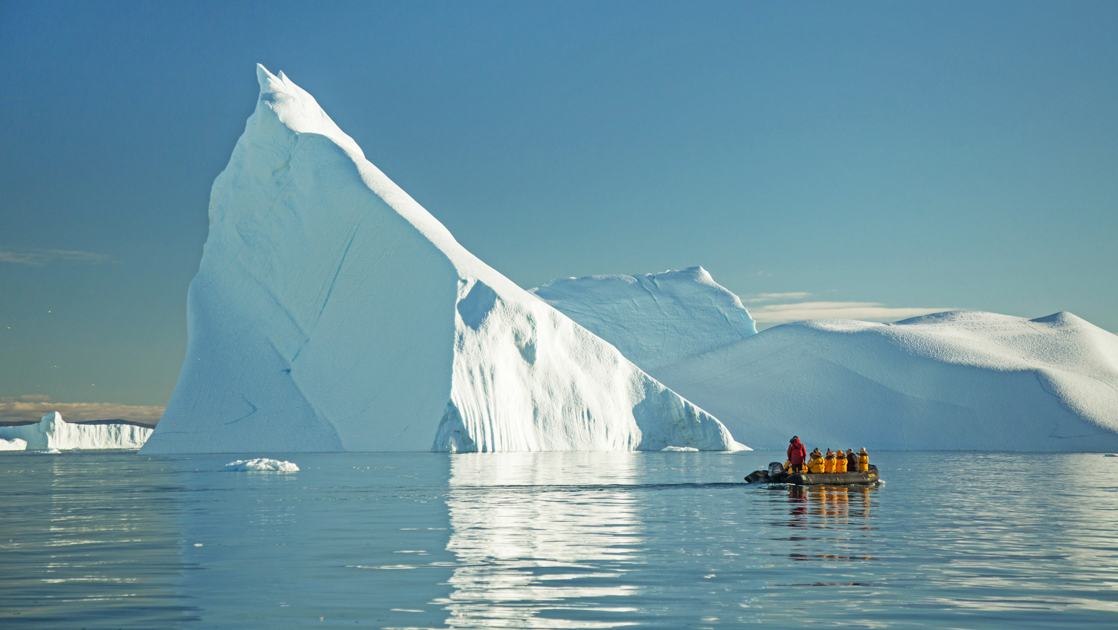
(776, 468)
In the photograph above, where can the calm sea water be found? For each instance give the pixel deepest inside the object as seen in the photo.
(555, 540)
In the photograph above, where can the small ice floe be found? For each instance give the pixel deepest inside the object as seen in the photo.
(261, 465)
(678, 449)
(49, 451)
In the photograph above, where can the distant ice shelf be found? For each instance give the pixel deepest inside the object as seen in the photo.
(52, 432)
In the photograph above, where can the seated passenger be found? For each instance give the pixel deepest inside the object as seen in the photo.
(815, 464)
(829, 462)
(863, 460)
(851, 460)
(840, 461)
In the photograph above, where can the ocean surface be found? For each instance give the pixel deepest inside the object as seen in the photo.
(555, 540)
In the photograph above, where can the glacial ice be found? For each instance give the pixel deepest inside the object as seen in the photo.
(14, 444)
(332, 312)
(954, 380)
(52, 432)
(653, 319)
(261, 464)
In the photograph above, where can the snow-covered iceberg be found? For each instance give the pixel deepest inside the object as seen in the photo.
(332, 312)
(52, 432)
(955, 380)
(654, 319)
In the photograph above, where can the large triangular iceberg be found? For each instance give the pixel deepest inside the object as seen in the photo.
(332, 312)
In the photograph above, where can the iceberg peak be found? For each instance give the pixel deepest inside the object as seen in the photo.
(268, 82)
(298, 111)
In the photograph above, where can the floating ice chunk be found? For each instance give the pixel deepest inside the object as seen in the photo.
(14, 444)
(261, 465)
(678, 449)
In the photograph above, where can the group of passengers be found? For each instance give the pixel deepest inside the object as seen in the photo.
(832, 462)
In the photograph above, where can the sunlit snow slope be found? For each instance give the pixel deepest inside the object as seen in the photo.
(956, 380)
(654, 319)
(332, 312)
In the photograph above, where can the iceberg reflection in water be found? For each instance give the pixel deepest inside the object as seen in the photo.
(554, 540)
(541, 537)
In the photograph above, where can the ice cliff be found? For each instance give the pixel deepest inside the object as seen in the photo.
(54, 432)
(955, 380)
(332, 312)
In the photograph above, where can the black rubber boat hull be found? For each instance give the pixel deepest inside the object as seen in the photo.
(832, 479)
(815, 479)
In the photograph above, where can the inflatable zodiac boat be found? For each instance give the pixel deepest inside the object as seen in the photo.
(776, 474)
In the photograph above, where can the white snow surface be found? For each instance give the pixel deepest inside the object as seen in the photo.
(261, 464)
(52, 432)
(654, 319)
(332, 312)
(957, 380)
(14, 444)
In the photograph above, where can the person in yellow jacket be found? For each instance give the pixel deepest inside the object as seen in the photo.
(829, 462)
(815, 464)
(840, 461)
(863, 460)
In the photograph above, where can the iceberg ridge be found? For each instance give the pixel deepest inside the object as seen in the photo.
(958, 380)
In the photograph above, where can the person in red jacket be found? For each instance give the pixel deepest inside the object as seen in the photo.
(797, 455)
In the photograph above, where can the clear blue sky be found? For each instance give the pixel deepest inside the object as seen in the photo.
(905, 154)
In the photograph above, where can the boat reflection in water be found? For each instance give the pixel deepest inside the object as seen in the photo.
(541, 539)
(838, 520)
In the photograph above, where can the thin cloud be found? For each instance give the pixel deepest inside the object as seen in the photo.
(754, 298)
(30, 408)
(25, 398)
(40, 257)
(866, 311)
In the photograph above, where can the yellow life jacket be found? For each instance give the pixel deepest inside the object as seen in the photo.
(815, 465)
(829, 463)
(863, 463)
(840, 462)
